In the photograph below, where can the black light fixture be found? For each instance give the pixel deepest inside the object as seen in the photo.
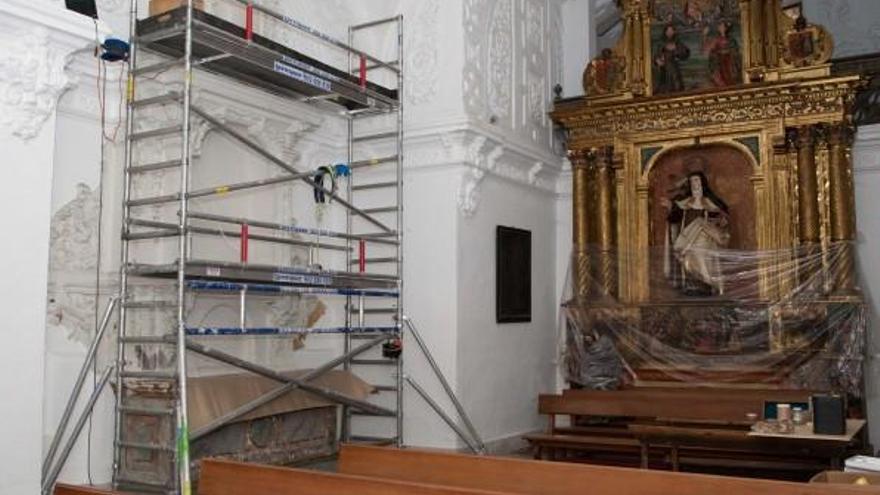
(84, 7)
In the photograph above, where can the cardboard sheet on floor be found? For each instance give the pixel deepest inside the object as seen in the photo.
(213, 396)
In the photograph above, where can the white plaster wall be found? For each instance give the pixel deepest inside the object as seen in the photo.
(442, 161)
(563, 262)
(866, 157)
(854, 24)
(430, 294)
(36, 41)
(23, 285)
(579, 43)
(506, 365)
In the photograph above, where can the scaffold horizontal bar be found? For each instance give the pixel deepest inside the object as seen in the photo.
(235, 234)
(220, 286)
(140, 236)
(284, 228)
(216, 190)
(370, 67)
(149, 167)
(377, 22)
(162, 131)
(375, 185)
(146, 446)
(229, 271)
(384, 209)
(152, 100)
(259, 331)
(373, 161)
(374, 311)
(375, 137)
(371, 261)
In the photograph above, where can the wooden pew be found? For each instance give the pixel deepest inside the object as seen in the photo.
(236, 478)
(521, 476)
(63, 489)
(710, 412)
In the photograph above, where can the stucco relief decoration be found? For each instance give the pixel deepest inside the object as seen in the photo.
(536, 82)
(481, 156)
(422, 55)
(476, 16)
(73, 237)
(32, 78)
(500, 59)
(73, 248)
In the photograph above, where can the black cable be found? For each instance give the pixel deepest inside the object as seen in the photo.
(98, 261)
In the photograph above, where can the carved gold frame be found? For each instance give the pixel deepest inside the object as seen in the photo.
(764, 29)
(606, 139)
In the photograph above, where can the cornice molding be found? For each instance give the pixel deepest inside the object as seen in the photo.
(37, 41)
(599, 124)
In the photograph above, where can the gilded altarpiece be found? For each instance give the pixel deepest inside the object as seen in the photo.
(713, 202)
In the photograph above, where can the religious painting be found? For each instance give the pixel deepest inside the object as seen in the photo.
(513, 275)
(805, 44)
(695, 44)
(702, 218)
(604, 74)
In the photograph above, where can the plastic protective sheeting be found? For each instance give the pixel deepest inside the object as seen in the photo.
(786, 318)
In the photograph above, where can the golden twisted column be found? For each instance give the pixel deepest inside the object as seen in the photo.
(606, 262)
(841, 194)
(808, 205)
(580, 259)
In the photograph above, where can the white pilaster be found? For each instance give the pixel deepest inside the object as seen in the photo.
(37, 40)
(866, 171)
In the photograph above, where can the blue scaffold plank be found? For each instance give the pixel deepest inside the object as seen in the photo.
(221, 286)
(214, 331)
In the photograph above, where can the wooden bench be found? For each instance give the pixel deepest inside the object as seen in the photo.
(64, 489)
(631, 423)
(236, 478)
(522, 476)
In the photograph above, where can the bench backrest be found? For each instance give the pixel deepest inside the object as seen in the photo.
(687, 404)
(522, 476)
(63, 489)
(235, 478)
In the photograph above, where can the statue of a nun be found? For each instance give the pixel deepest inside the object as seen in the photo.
(697, 228)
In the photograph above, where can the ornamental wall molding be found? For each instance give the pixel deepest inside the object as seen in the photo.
(512, 61)
(600, 124)
(421, 67)
(37, 40)
(477, 156)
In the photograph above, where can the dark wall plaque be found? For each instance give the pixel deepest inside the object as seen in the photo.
(513, 275)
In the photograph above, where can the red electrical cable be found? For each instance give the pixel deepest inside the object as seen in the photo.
(362, 255)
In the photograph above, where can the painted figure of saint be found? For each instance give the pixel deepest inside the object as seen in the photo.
(603, 73)
(725, 66)
(800, 42)
(697, 227)
(667, 60)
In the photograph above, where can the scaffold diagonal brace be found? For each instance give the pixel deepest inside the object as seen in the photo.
(279, 162)
(289, 384)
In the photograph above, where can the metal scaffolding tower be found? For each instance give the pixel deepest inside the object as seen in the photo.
(369, 283)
